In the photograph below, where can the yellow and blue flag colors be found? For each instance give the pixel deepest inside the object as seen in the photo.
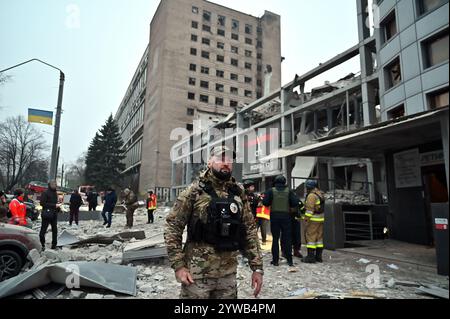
(39, 116)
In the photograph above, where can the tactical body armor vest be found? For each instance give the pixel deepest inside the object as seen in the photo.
(224, 228)
(280, 201)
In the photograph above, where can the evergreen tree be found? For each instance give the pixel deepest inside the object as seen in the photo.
(104, 158)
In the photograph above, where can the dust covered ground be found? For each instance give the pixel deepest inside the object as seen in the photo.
(340, 275)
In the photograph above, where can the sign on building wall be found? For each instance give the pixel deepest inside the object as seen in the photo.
(432, 158)
(407, 169)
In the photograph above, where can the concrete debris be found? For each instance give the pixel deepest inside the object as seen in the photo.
(117, 244)
(76, 294)
(434, 291)
(391, 283)
(159, 278)
(93, 296)
(394, 267)
(363, 261)
(408, 284)
(34, 256)
(348, 197)
(299, 292)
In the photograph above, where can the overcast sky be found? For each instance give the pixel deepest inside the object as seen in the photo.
(100, 51)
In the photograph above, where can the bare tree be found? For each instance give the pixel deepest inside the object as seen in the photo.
(75, 174)
(21, 146)
(3, 79)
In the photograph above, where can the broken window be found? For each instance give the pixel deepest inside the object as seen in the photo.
(195, 10)
(192, 81)
(393, 74)
(248, 29)
(436, 49)
(220, 58)
(248, 65)
(219, 87)
(248, 53)
(234, 62)
(194, 25)
(248, 93)
(221, 32)
(234, 36)
(248, 41)
(206, 41)
(204, 84)
(234, 77)
(206, 28)
(397, 112)
(234, 50)
(205, 70)
(204, 98)
(190, 112)
(206, 16)
(235, 25)
(233, 103)
(193, 51)
(205, 54)
(248, 79)
(190, 127)
(429, 5)
(194, 38)
(234, 90)
(438, 99)
(191, 96)
(193, 67)
(219, 101)
(389, 27)
(220, 45)
(220, 73)
(221, 20)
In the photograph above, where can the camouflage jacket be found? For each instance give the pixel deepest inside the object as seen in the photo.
(131, 200)
(202, 260)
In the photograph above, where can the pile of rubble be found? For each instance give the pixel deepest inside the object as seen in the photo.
(348, 197)
(342, 275)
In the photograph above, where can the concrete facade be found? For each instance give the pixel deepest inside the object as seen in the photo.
(181, 34)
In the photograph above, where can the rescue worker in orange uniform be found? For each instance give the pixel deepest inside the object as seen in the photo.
(152, 201)
(18, 209)
(314, 220)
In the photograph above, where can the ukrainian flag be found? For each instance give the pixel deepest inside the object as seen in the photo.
(39, 116)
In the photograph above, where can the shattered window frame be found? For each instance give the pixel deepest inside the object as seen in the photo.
(190, 127)
(221, 32)
(389, 27)
(234, 49)
(190, 111)
(248, 53)
(234, 90)
(221, 20)
(248, 29)
(192, 81)
(438, 98)
(396, 112)
(221, 45)
(393, 73)
(220, 87)
(234, 25)
(220, 58)
(204, 70)
(235, 36)
(205, 55)
(195, 10)
(206, 16)
(248, 41)
(248, 65)
(234, 77)
(234, 103)
(206, 41)
(204, 98)
(220, 74)
(248, 93)
(234, 62)
(435, 49)
(194, 25)
(248, 80)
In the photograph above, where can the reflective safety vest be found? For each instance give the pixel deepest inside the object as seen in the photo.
(19, 212)
(263, 212)
(152, 203)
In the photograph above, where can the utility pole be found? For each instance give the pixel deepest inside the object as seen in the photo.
(55, 151)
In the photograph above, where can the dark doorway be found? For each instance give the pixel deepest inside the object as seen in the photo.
(435, 191)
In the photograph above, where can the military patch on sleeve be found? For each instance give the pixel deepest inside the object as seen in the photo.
(234, 208)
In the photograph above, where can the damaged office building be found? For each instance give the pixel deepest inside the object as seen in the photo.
(377, 141)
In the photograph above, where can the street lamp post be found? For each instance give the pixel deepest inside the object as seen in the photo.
(54, 155)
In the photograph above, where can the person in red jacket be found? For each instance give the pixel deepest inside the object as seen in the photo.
(152, 200)
(18, 209)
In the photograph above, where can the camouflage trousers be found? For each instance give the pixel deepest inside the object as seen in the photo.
(222, 288)
(130, 217)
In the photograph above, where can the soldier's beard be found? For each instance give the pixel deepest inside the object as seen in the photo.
(222, 174)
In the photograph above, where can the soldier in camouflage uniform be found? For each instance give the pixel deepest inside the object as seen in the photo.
(205, 271)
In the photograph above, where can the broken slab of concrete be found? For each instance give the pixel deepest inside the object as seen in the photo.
(144, 254)
(120, 279)
(68, 239)
(434, 291)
